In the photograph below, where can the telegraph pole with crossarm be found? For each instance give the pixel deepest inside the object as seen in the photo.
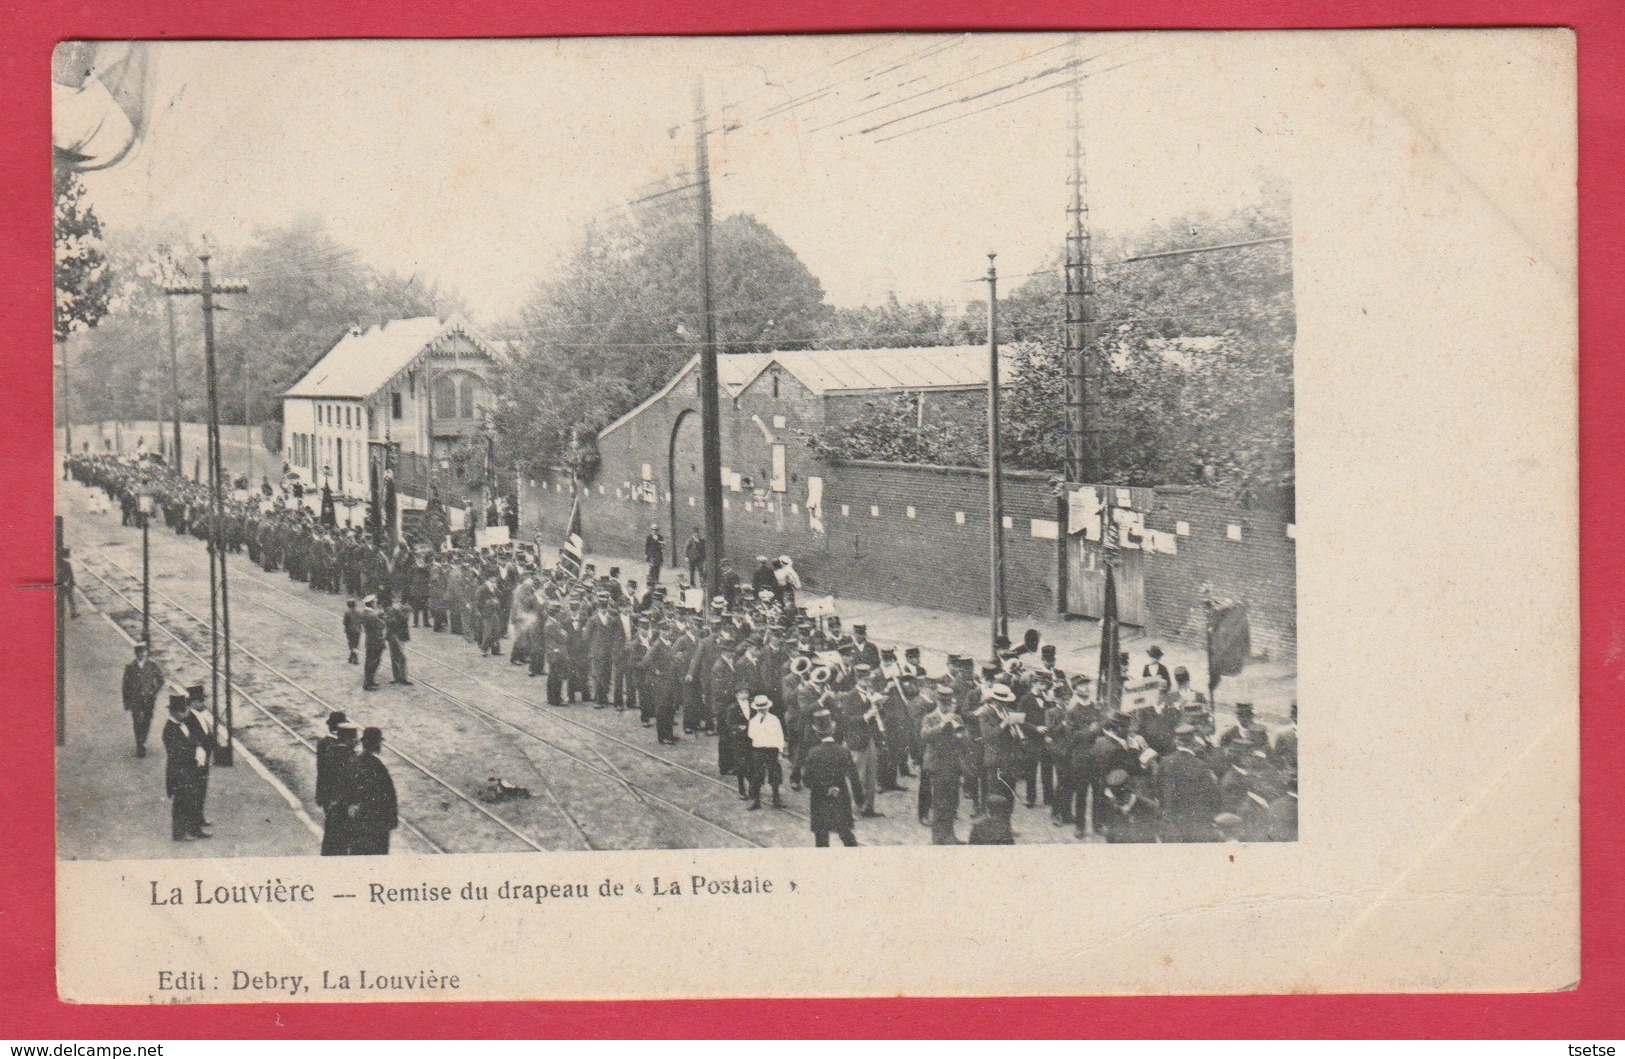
(219, 599)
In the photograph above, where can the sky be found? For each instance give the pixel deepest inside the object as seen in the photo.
(478, 163)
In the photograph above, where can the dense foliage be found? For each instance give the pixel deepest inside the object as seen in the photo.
(81, 275)
(1196, 352)
(624, 315)
(305, 291)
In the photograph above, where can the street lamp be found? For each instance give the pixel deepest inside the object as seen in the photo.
(144, 506)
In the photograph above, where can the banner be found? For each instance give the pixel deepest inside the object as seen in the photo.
(1229, 641)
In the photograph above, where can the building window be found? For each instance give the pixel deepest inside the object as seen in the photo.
(457, 396)
(395, 403)
(775, 386)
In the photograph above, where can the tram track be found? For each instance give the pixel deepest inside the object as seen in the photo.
(541, 709)
(607, 770)
(255, 697)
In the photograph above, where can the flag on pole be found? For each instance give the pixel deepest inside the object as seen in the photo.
(572, 556)
(1229, 641)
(1110, 679)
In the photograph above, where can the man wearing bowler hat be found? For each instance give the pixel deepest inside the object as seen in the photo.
(373, 808)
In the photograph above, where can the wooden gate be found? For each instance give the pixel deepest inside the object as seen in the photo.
(1086, 566)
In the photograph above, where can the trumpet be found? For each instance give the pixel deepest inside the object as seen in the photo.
(991, 705)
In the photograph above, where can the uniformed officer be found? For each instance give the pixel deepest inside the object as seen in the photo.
(941, 730)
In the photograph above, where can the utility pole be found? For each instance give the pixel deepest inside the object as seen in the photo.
(174, 386)
(995, 466)
(710, 415)
(248, 420)
(219, 596)
(67, 395)
(61, 594)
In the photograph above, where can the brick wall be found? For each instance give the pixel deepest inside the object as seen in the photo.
(1259, 569)
(919, 536)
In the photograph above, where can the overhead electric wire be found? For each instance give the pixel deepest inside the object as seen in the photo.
(945, 85)
(982, 110)
(1071, 64)
(811, 97)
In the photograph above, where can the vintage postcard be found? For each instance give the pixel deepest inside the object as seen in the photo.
(646, 497)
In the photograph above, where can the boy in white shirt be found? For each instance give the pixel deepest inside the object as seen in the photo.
(766, 735)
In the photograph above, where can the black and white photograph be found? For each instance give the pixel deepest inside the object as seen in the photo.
(645, 494)
(461, 456)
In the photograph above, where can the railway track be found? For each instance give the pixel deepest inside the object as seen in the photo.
(541, 710)
(583, 757)
(484, 830)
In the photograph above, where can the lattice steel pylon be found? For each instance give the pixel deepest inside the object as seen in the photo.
(1083, 456)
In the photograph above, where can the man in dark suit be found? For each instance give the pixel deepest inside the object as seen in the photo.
(201, 726)
(374, 633)
(654, 553)
(694, 552)
(182, 773)
(1187, 790)
(1155, 669)
(832, 778)
(1157, 723)
(143, 680)
(335, 754)
(373, 807)
(867, 652)
(605, 640)
(397, 631)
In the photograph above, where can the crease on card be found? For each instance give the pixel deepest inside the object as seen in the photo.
(1360, 67)
(1530, 771)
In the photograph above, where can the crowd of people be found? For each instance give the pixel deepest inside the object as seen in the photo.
(788, 698)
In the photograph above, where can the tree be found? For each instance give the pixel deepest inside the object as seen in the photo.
(1197, 380)
(82, 279)
(305, 291)
(898, 325)
(624, 315)
(889, 428)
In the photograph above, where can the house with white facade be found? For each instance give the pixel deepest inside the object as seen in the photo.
(400, 395)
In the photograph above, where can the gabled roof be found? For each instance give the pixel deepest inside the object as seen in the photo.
(844, 371)
(362, 363)
(828, 372)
